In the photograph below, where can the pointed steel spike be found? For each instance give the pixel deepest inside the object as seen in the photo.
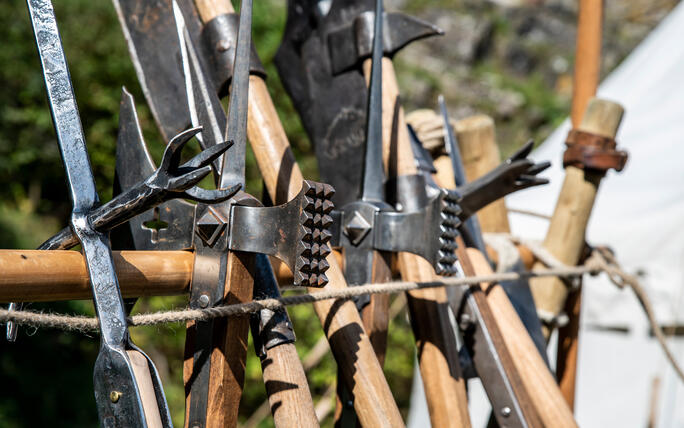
(133, 161)
(204, 106)
(324, 250)
(233, 170)
(207, 156)
(328, 191)
(172, 152)
(199, 194)
(452, 146)
(326, 221)
(373, 169)
(328, 206)
(537, 168)
(522, 153)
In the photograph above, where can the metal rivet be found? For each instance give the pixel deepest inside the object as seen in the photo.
(114, 396)
(506, 412)
(466, 321)
(350, 403)
(223, 45)
(203, 301)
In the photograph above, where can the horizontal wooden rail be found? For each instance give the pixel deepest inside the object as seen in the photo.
(38, 276)
(44, 276)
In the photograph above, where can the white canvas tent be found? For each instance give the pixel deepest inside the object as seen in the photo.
(640, 214)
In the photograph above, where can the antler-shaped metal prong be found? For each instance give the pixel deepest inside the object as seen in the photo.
(518, 172)
(169, 181)
(170, 177)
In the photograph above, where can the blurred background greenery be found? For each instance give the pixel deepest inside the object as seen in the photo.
(510, 59)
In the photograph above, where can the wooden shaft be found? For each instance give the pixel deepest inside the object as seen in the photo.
(38, 276)
(375, 317)
(537, 380)
(568, 348)
(229, 348)
(143, 377)
(429, 312)
(540, 388)
(565, 236)
(342, 323)
(286, 386)
(587, 57)
(436, 344)
(587, 73)
(209, 9)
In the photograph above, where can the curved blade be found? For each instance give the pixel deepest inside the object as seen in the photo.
(133, 161)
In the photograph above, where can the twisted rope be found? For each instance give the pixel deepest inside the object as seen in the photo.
(90, 324)
(601, 260)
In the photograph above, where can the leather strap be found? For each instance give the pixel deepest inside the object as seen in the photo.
(590, 151)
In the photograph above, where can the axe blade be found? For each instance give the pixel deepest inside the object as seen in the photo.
(353, 43)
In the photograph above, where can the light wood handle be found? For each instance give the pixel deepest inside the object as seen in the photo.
(480, 154)
(342, 323)
(143, 377)
(538, 382)
(287, 388)
(429, 312)
(565, 236)
(536, 378)
(39, 276)
(587, 73)
(588, 57)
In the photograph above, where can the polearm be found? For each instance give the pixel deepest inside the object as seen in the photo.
(585, 85)
(350, 345)
(591, 152)
(226, 236)
(534, 379)
(128, 391)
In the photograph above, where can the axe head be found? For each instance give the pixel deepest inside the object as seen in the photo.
(353, 43)
(331, 100)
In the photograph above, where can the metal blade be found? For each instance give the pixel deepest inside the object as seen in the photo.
(373, 169)
(471, 226)
(148, 26)
(113, 368)
(234, 171)
(452, 146)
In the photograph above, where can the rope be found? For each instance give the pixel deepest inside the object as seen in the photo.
(88, 324)
(601, 260)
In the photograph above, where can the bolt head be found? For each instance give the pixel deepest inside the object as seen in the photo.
(506, 412)
(114, 396)
(203, 301)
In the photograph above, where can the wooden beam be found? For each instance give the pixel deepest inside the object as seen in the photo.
(40, 276)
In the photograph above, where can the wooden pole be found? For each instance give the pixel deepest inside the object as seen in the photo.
(229, 354)
(429, 312)
(587, 73)
(41, 276)
(288, 392)
(565, 236)
(341, 322)
(537, 381)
